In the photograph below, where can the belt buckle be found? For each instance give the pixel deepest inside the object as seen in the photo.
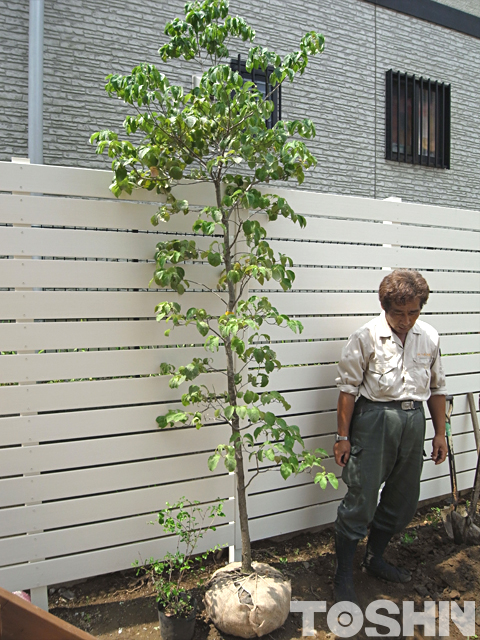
(408, 405)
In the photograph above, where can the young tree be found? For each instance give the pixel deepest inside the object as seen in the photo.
(217, 133)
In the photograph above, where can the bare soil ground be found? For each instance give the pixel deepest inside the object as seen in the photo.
(122, 605)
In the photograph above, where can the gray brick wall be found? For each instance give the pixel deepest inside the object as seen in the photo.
(342, 91)
(415, 46)
(13, 79)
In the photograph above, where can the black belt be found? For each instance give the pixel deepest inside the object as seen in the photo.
(405, 405)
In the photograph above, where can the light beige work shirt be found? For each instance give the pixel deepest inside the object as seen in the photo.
(376, 365)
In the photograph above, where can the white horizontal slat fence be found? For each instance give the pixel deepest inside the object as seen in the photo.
(82, 465)
(340, 260)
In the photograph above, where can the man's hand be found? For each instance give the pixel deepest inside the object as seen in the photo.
(439, 449)
(341, 451)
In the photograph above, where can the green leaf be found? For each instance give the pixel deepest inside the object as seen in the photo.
(257, 432)
(269, 418)
(241, 412)
(332, 478)
(259, 355)
(321, 479)
(176, 173)
(202, 327)
(230, 463)
(213, 461)
(285, 470)
(228, 411)
(162, 422)
(253, 414)
(214, 259)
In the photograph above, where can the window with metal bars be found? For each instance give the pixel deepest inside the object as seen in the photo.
(260, 78)
(417, 120)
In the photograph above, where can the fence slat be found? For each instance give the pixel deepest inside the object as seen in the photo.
(85, 538)
(70, 513)
(97, 214)
(85, 565)
(327, 279)
(79, 424)
(93, 274)
(76, 243)
(103, 451)
(96, 304)
(123, 333)
(89, 183)
(116, 479)
(371, 233)
(96, 394)
(351, 255)
(352, 207)
(99, 364)
(34, 336)
(334, 303)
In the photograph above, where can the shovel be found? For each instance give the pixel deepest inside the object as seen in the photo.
(451, 458)
(446, 511)
(459, 526)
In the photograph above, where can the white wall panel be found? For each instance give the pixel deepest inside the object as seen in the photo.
(331, 279)
(62, 396)
(441, 486)
(69, 243)
(321, 204)
(85, 565)
(375, 233)
(351, 255)
(22, 490)
(95, 536)
(343, 326)
(80, 424)
(91, 183)
(89, 453)
(93, 274)
(290, 521)
(51, 305)
(99, 214)
(92, 335)
(86, 464)
(100, 364)
(53, 515)
(336, 303)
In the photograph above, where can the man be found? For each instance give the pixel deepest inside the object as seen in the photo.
(387, 369)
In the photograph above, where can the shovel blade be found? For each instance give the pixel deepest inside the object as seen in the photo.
(464, 530)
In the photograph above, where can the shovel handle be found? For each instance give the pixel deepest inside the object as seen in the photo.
(448, 413)
(451, 459)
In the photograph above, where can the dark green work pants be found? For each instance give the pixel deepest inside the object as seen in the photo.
(387, 446)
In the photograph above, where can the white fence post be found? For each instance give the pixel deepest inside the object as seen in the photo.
(38, 595)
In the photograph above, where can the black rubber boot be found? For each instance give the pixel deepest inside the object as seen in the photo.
(343, 580)
(375, 565)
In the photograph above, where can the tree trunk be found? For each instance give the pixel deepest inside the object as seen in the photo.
(232, 396)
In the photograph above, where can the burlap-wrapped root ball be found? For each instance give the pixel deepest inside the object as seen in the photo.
(248, 606)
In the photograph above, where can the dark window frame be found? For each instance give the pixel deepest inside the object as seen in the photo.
(255, 75)
(413, 105)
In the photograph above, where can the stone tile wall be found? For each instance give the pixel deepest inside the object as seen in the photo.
(342, 91)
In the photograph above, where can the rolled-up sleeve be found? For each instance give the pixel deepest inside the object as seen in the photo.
(438, 383)
(351, 366)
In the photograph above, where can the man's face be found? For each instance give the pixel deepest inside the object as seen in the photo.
(401, 318)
